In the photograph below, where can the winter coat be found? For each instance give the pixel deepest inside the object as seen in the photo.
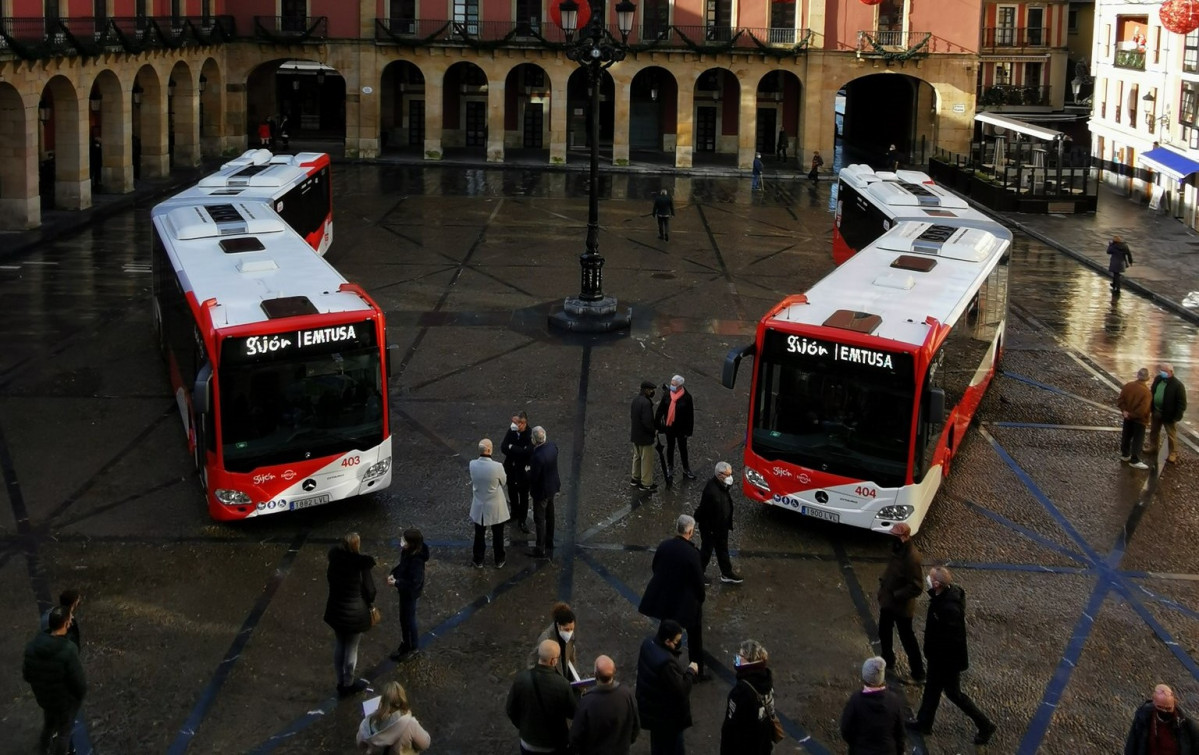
(663, 688)
(399, 731)
(642, 414)
(606, 722)
(489, 505)
(1174, 402)
(1143, 723)
(540, 703)
(902, 581)
(872, 723)
(945, 630)
(543, 475)
(518, 449)
(1137, 400)
(351, 591)
(567, 650)
(409, 574)
(1119, 256)
(53, 670)
(684, 415)
(676, 590)
(663, 206)
(714, 516)
(748, 728)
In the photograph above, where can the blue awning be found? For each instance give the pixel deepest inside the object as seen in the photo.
(1169, 163)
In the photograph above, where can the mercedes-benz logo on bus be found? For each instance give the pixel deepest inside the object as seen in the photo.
(310, 484)
(821, 496)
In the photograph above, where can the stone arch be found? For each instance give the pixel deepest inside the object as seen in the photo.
(578, 107)
(717, 112)
(211, 113)
(779, 109)
(183, 116)
(906, 103)
(62, 174)
(109, 166)
(653, 110)
(465, 113)
(149, 144)
(19, 206)
(402, 101)
(311, 93)
(527, 101)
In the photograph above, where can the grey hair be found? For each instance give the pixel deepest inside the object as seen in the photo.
(722, 467)
(485, 447)
(752, 651)
(538, 435)
(685, 524)
(874, 672)
(1143, 373)
(679, 378)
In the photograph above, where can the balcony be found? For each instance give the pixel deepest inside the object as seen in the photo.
(887, 44)
(1009, 38)
(1133, 60)
(86, 36)
(292, 29)
(1000, 95)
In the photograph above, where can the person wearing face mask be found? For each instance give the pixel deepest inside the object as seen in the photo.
(676, 418)
(676, 590)
(518, 449)
(1161, 728)
(1169, 404)
(749, 718)
(715, 519)
(664, 689)
(544, 484)
(898, 588)
(408, 578)
(562, 631)
(642, 435)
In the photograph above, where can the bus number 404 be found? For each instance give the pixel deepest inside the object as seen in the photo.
(865, 492)
(351, 461)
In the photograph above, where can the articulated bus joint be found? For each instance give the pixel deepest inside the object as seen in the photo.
(728, 377)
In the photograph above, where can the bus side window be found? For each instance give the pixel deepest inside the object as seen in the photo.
(928, 433)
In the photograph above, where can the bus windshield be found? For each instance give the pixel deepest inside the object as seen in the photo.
(299, 395)
(841, 409)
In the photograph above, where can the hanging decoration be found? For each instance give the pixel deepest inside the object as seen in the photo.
(1180, 16)
(871, 2)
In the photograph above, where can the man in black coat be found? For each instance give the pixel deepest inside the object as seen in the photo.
(53, 670)
(676, 590)
(663, 211)
(1169, 404)
(898, 588)
(664, 689)
(518, 449)
(676, 418)
(947, 655)
(540, 703)
(872, 721)
(1160, 726)
(642, 435)
(715, 519)
(606, 722)
(544, 485)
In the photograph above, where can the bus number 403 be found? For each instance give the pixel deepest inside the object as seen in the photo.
(351, 461)
(865, 492)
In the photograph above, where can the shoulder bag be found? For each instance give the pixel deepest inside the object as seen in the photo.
(778, 734)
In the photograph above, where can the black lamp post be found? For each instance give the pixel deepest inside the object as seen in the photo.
(595, 50)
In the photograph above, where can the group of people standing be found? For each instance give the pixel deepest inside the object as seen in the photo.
(1155, 406)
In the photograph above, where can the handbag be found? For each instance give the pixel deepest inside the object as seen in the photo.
(778, 735)
(376, 616)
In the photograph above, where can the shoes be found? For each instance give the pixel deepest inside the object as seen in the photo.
(984, 734)
(524, 527)
(635, 482)
(688, 474)
(537, 553)
(732, 579)
(667, 237)
(400, 652)
(1173, 459)
(707, 580)
(1139, 465)
(353, 689)
(477, 564)
(647, 488)
(915, 725)
(1125, 458)
(500, 564)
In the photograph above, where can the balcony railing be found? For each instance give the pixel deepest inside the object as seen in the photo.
(290, 29)
(894, 45)
(1131, 59)
(998, 95)
(1010, 37)
(38, 39)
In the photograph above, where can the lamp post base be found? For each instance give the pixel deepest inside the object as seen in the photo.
(602, 316)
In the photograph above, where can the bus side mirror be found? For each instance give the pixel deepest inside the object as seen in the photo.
(201, 391)
(728, 377)
(936, 406)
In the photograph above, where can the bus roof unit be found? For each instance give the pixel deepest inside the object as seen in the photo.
(903, 188)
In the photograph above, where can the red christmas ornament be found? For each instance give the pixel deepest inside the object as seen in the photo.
(1180, 16)
(871, 2)
(584, 13)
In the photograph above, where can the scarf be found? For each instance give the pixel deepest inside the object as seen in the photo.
(674, 399)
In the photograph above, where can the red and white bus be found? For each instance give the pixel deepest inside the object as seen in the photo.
(298, 188)
(278, 365)
(870, 202)
(864, 386)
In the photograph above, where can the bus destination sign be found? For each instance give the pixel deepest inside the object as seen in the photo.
(840, 352)
(324, 340)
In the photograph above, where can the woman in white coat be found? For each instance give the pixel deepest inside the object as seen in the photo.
(489, 505)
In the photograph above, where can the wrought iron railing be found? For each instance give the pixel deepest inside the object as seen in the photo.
(292, 28)
(1012, 94)
(36, 38)
(895, 45)
(1009, 37)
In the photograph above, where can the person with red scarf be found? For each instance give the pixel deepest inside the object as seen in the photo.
(676, 418)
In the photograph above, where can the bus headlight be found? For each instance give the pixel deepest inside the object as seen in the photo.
(378, 469)
(899, 511)
(231, 497)
(753, 477)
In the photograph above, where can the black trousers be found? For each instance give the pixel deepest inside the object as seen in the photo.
(57, 727)
(888, 621)
(518, 495)
(681, 440)
(663, 226)
(1115, 280)
(1132, 437)
(940, 681)
(717, 542)
(497, 542)
(543, 522)
(409, 634)
(695, 641)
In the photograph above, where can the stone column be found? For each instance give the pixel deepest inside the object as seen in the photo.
(747, 125)
(186, 104)
(20, 205)
(685, 135)
(622, 91)
(495, 119)
(236, 140)
(434, 110)
(72, 184)
(559, 115)
(154, 125)
(116, 167)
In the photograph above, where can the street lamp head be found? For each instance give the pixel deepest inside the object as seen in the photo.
(1076, 86)
(137, 94)
(203, 83)
(625, 11)
(570, 17)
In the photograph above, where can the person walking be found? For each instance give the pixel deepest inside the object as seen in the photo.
(518, 449)
(1136, 406)
(947, 655)
(1159, 727)
(54, 672)
(348, 608)
(780, 148)
(872, 721)
(488, 505)
(676, 589)
(392, 729)
(561, 632)
(664, 689)
(69, 600)
(1169, 404)
(898, 588)
(749, 717)
(540, 703)
(544, 484)
(264, 134)
(642, 435)
(715, 519)
(663, 210)
(892, 158)
(676, 418)
(817, 164)
(756, 184)
(1119, 259)
(284, 130)
(606, 722)
(408, 578)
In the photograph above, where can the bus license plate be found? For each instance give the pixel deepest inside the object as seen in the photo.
(827, 516)
(304, 503)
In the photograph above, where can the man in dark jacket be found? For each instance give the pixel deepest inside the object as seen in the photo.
(947, 655)
(544, 484)
(872, 722)
(676, 590)
(642, 434)
(676, 418)
(715, 519)
(1169, 404)
(518, 449)
(606, 722)
(53, 670)
(1161, 728)
(663, 211)
(540, 703)
(898, 588)
(69, 599)
(664, 689)
(1119, 258)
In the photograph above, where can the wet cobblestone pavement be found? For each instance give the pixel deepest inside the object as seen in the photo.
(1082, 577)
